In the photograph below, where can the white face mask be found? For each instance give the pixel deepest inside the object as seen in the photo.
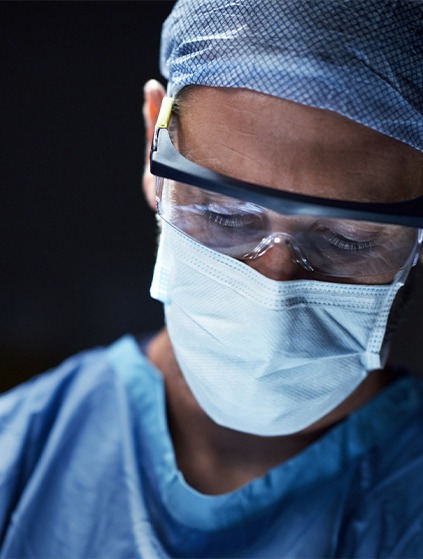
(262, 356)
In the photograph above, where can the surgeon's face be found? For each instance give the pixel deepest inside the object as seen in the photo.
(287, 146)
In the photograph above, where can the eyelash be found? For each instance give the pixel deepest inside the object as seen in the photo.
(229, 219)
(343, 243)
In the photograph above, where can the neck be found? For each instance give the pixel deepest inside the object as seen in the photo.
(217, 460)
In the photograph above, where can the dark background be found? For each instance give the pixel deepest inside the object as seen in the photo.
(77, 239)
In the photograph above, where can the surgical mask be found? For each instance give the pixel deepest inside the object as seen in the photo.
(262, 356)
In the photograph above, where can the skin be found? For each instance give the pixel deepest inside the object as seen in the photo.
(283, 145)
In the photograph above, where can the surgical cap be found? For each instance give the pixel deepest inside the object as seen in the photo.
(360, 58)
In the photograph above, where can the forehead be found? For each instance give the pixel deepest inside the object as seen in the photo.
(285, 145)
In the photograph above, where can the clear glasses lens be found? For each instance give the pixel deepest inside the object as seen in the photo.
(334, 247)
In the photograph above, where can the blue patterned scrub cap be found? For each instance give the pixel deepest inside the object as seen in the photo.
(360, 58)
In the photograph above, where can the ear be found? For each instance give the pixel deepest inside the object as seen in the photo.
(153, 95)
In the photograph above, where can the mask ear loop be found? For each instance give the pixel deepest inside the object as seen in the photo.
(419, 247)
(396, 286)
(400, 278)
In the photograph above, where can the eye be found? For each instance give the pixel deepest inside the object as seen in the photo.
(224, 219)
(344, 243)
(234, 216)
(345, 236)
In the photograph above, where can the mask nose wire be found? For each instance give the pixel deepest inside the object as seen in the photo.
(279, 238)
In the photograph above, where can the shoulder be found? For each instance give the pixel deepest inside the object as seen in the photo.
(85, 389)
(46, 392)
(66, 450)
(31, 412)
(73, 389)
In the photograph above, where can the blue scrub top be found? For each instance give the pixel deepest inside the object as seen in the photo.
(87, 470)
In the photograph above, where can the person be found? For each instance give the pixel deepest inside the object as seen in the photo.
(264, 420)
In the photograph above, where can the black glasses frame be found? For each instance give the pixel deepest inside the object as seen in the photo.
(167, 162)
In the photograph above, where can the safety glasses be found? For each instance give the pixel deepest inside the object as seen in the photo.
(330, 237)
